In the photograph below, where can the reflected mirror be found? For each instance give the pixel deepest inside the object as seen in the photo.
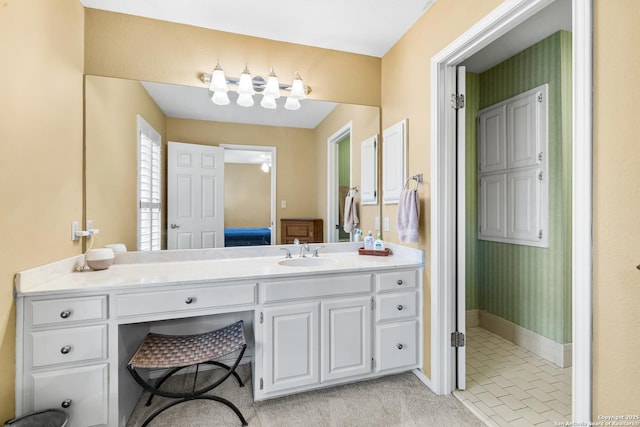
(291, 184)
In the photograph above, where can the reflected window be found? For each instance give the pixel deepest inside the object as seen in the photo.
(149, 203)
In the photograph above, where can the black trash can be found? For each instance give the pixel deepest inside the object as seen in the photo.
(44, 418)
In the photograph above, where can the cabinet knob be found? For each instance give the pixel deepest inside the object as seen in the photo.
(66, 403)
(400, 346)
(66, 349)
(65, 314)
(399, 282)
(189, 300)
(400, 307)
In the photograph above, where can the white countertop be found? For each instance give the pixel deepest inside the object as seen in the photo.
(224, 265)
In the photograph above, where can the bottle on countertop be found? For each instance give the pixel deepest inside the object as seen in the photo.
(368, 241)
(378, 245)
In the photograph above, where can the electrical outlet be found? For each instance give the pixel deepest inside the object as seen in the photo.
(75, 226)
(89, 224)
(386, 224)
(283, 204)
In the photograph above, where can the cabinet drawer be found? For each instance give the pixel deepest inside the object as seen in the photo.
(397, 280)
(81, 392)
(396, 306)
(69, 345)
(396, 345)
(185, 299)
(68, 310)
(313, 288)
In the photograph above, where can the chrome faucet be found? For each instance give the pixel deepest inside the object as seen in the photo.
(315, 251)
(288, 255)
(304, 248)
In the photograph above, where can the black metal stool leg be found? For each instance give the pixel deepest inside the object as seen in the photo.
(225, 402)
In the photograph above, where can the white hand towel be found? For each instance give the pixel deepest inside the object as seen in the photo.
(350, 215)
(408, 216)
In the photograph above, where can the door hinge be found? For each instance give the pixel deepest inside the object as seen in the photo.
(539, 96)
(540, 156)
(373, 363)
(375, 193)
(457, 339)
(540, 234)
(261, 384)
(261, 317)
(540, 176)
(457, 101)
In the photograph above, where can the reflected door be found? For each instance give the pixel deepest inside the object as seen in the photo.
(195, 196)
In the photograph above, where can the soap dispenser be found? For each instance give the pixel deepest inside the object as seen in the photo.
(378, 245)
(368, 241)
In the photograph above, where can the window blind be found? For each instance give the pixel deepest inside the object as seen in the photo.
(149, 192)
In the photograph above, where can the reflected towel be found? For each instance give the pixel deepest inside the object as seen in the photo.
(408, 215)
(350, 215)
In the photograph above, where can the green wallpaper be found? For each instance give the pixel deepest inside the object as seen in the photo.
(528, 286)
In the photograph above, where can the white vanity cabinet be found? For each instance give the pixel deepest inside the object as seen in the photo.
(65, 363)
(398, 320)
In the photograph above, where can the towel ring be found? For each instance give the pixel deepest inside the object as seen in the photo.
(416, 178)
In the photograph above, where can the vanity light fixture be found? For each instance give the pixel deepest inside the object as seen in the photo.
(265, 167)
(247, 86)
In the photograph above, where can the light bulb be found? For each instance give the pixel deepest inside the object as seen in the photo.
(220, 98)
(268, 102)
(297, 88)
(292, 104)
(245, 100)
(265, 167)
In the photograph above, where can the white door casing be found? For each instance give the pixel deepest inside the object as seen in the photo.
(332, 231)
(443, 185)
(195, 196)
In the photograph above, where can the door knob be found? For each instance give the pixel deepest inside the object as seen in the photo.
(175, 226)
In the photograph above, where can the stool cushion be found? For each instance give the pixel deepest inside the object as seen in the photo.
(173, 351)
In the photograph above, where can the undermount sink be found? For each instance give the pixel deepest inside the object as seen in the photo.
(306, 262)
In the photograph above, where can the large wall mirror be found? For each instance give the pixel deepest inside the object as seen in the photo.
(276, 160)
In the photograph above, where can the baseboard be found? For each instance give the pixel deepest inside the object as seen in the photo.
(559, 354)
(422, 377)
(473, 318)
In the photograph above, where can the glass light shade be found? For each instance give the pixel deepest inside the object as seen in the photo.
(268, 102)
(297, 89)
(272, 89)
(245, 100)
(292, 104)
(220, 98)
(245, 86)
(218, 81)
(265, 167)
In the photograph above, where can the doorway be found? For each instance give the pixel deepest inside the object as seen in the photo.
(445, 258)
(338, 182)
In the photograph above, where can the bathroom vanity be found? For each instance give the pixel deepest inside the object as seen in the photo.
(309, 324)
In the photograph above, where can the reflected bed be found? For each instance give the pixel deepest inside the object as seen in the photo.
(247, 236)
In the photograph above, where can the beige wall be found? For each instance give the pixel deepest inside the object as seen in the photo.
(175, 53)
(112, 106)
(247, 196)
(296, 166)
(409, 58)
(365, 123)
(616, 284)
(40, 150)
(41, 143)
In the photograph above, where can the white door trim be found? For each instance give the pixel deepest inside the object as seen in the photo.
(443, 188)
(272, 151)
(332, 179)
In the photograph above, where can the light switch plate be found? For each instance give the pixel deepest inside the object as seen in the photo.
(386, 223)
(283, 204)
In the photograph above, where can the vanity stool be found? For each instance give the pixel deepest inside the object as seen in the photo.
(176, 352)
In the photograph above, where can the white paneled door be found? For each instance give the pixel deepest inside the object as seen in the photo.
(195, 196)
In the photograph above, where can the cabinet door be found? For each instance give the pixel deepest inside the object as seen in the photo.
(82, 391)
(523, 205)
(523, 130)
(492, 139)
(369, 171)
(291, 339)
(492, 215)
(346, 338)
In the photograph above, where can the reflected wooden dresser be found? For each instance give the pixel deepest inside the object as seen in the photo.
(306, 230)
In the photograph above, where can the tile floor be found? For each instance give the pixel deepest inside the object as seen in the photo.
(510, 386)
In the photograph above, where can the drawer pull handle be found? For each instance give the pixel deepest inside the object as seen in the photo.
(66, 403)
(66, 349)
(399, 282)
(400, 346)
(65, 314)
(189, 300)
(400, 307)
